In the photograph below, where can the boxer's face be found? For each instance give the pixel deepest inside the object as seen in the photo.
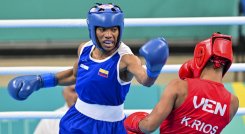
(107, 37)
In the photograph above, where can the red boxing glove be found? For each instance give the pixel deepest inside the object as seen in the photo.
(131, 123)
(186, 70)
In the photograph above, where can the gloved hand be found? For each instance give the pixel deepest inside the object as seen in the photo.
(131, 123)
(23, 86)
(155, 53)
(186, 70)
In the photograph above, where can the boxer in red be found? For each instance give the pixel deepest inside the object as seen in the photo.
(198, 102)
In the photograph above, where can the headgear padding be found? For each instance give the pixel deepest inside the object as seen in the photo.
(105, 15)
(218, 45)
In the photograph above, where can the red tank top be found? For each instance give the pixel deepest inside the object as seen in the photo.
(205, 110)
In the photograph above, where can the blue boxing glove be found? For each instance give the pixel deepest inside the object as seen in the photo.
(155, 53)
(23, 86)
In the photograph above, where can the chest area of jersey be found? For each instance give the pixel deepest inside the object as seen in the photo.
(89, 69)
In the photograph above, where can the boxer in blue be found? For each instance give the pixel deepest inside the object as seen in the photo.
(102, 73)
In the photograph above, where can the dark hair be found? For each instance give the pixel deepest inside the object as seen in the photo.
(217, 63)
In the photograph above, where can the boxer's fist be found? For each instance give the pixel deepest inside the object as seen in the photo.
(186, 70)
(23, 86)
(131, 123)
(155, 53)
(20, 88)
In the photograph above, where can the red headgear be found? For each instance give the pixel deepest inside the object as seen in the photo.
(218, 45)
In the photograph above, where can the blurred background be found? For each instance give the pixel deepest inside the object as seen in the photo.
(58, 47)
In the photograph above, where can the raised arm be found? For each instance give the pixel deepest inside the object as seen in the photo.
(155, 53)
(134, 66)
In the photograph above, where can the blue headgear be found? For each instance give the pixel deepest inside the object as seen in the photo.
(105, 15)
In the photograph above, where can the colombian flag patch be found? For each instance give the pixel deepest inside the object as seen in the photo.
(103, 73)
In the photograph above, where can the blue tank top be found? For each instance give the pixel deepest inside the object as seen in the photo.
(98, 81)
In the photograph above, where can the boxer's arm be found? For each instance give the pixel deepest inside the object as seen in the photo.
(155, 53)
(234, 106)
(134, 66)
(21, 87)
(162, 109)
(68, 77)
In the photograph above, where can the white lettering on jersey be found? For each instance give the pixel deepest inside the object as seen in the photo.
(210, 106)
(185, 120)
(199, 125)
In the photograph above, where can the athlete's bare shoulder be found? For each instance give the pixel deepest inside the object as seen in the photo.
(178, 84)
(234, 106)
(180, 88)
(80, 48)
